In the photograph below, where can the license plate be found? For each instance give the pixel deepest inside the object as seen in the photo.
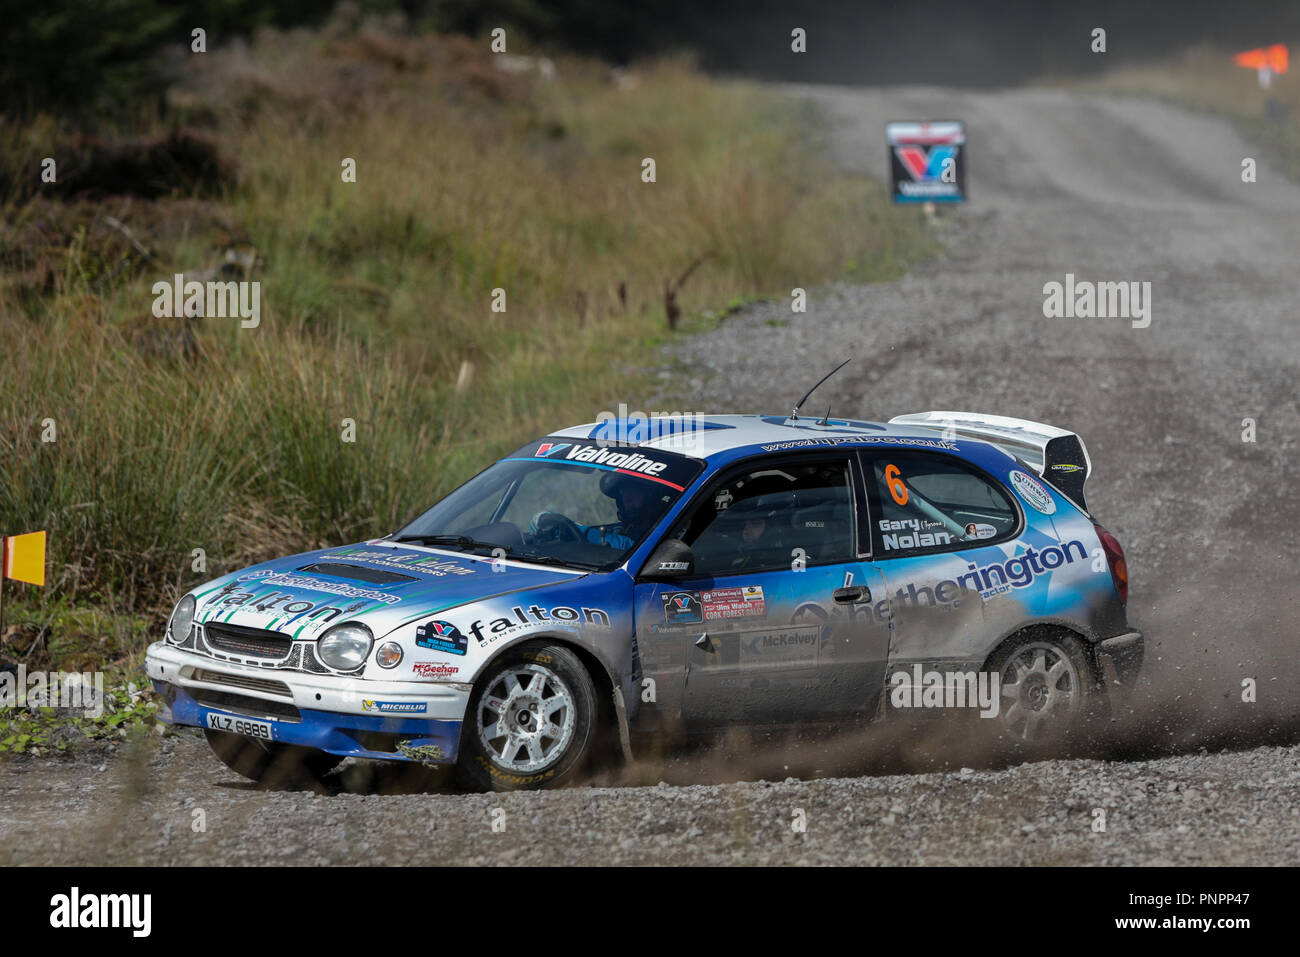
(235, 725)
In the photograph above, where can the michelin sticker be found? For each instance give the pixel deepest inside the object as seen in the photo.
(1032, 491)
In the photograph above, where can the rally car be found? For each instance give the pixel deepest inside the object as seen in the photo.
(639, 578)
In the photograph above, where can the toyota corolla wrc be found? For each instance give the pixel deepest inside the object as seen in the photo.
(626, 580)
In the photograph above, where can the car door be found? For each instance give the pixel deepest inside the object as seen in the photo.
(936, 522)
(776, 622)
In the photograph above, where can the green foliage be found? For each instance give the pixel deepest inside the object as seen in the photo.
(46, 730)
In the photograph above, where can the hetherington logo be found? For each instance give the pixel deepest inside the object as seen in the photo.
(987, 580)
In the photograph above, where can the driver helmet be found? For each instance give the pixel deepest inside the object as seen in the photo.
(632, 510)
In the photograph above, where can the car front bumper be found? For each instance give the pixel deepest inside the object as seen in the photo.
(328, 712)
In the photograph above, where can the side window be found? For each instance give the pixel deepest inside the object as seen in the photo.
(931, 503)
(772, 518)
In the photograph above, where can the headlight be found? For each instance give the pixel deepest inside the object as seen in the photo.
(345, 647)
(182, 620)
(389, 655)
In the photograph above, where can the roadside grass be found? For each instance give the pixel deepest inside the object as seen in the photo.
(161, 452)
(1207, 79)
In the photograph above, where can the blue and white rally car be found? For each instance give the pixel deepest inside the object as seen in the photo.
(632, 578)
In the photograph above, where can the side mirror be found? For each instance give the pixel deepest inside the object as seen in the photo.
(671, 559)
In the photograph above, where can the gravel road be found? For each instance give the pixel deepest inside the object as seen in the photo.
(1186, 773)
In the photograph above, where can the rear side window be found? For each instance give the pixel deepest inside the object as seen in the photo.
(931, 503)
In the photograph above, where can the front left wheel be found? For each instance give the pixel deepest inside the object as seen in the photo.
(531, 723)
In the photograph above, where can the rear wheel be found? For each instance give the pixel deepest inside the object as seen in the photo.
(1046, 687)
(531, 722)
(269, 763)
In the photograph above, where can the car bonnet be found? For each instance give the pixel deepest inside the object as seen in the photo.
(380, 583)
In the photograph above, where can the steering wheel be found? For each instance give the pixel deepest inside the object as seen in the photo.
(554, 527)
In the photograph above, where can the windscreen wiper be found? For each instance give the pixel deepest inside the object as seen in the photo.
(457, 541)
(552, 560)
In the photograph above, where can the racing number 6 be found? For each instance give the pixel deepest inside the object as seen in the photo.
(896, 487)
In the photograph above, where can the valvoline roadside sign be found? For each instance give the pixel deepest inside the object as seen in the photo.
(927, 161)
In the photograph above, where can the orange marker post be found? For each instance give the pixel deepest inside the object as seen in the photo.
(1267, 61)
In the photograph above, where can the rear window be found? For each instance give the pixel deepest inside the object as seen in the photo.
(931, 503)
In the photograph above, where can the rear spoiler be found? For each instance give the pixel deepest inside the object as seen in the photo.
(1058, 456)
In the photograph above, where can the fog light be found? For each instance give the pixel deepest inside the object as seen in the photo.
(388, 655)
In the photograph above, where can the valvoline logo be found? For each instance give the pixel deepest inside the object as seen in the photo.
(925, 166)
(441, 636)
(547, 449)
(683, 606)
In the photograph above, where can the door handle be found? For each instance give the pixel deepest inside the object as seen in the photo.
(852, 595)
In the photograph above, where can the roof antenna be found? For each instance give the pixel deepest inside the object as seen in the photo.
(826, 419)
(794, 416)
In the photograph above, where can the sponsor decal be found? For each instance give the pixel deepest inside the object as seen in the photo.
(977, 530)
(394, 707)
(988, 581)
(926, 163)
(926, 688)
(435, 669)
(310, 584)
(918, 537)
(1033, 492)
(682, 607)
(423, 564)
(519, 617)
(996, 577)
(441, 636)
(294, 606)
(673, 471)
(674, 566)
(860, 440)
(783, 647)
(747, 602)
(1067, 469)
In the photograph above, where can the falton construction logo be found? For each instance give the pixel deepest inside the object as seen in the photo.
(926, 161)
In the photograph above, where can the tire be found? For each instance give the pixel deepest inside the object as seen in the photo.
(1047, 687)
(541, 697)
(269, 763)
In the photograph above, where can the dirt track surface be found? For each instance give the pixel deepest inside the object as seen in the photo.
(1188, 773)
